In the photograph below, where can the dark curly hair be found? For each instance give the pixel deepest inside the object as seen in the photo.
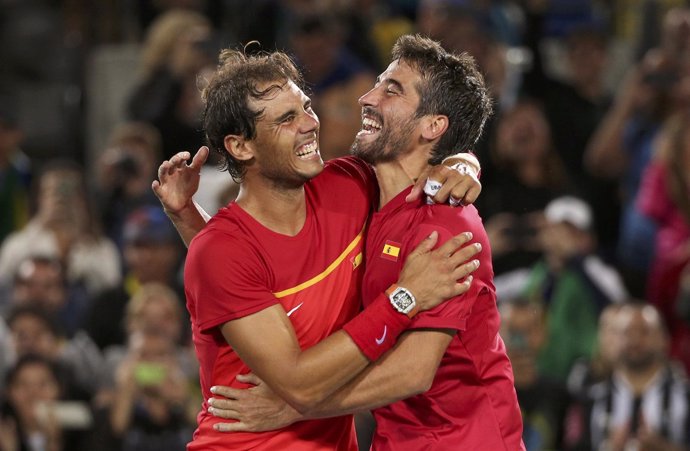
(227, 94)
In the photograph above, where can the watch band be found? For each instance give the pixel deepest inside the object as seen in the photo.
(391, 290)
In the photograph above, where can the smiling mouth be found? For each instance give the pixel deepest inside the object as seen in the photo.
(308, 150)
(370, 125)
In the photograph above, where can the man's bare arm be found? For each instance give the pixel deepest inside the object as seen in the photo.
(177, 182)
(407, 370)
(266, 341)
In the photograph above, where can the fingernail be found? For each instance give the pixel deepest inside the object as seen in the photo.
(476, 263)
(210, 410)
(210, 401)
(478, 246)
(469, 235)
(213, 389)
(216, 427)
(469, 279)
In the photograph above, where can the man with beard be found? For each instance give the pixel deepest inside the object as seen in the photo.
(273, 280)
(448, 382)
(644, 405)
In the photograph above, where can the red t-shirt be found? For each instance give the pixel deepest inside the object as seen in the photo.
(236, 267)
(471, 404)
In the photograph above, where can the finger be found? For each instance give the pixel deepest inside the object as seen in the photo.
(226, 414)
(200, 158)
(231, 427)
(226, 392)
(453, 244)
(249, 378)
(472, 194)
(465, 270)
(464, 255)
(426, 245)
(462, 287)
(163, 170)
(452, 181)
(179, 159)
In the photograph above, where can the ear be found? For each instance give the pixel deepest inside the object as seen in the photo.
(433, 127)
(238, 147)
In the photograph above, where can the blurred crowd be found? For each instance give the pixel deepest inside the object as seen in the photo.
(586, 200)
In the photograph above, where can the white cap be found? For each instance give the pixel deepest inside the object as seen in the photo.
(569, 209)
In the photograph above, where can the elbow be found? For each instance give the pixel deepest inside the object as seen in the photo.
(419, 382)
(304, 401)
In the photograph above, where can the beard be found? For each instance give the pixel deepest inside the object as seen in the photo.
(392, 141)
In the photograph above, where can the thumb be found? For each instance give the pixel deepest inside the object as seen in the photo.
(418, 186)
(249, 378)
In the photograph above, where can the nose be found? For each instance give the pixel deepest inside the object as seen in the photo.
(310, 122)
(370, 98)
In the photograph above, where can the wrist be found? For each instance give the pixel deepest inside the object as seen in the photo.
(402, 300)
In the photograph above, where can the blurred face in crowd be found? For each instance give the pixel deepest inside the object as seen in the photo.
(523, 134)
(587, 59)
(61, 200)
(31, 335)
(40, 283)
(151, 262)
(675, 39)
(159, 314)
(644, 341)
(34, 383)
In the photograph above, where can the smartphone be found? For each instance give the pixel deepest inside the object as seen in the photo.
(67, 414)
(147, 374)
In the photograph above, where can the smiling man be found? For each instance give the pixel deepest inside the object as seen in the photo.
(273, 280)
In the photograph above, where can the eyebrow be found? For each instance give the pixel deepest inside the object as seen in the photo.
(285, 115)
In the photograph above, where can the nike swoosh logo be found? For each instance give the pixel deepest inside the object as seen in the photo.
(379, 341)
(294, 309)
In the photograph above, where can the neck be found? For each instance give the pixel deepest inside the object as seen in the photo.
(278, 208)
(639, 379)
(394, 176)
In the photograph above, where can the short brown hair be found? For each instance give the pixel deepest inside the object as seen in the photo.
(451, 85)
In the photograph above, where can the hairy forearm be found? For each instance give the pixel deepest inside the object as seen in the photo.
(406, 371)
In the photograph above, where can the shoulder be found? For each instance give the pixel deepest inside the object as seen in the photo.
(347, 167)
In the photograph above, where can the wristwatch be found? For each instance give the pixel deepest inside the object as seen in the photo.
(402, 300)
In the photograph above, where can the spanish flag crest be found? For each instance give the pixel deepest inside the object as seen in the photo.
(391, 250)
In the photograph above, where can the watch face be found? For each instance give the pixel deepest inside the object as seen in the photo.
(403, 300)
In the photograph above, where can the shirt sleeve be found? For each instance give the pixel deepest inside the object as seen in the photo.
(225, 279)
(453, 313)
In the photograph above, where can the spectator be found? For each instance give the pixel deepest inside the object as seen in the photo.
(587, 372)
(34, 330)
(41, 281)
(150, 408)
(64, 228)
(572, 284)
(543, 401)
(528, 175)
(152, 253)
(28, 422)
(644, 403)
(622, 146)
(126, 169)
(665, 197)
(177, 47)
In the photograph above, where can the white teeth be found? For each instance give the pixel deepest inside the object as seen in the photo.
(308, 149)
(370, 123)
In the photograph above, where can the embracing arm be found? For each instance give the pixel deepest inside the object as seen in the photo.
(407, 370)
(266, 341)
